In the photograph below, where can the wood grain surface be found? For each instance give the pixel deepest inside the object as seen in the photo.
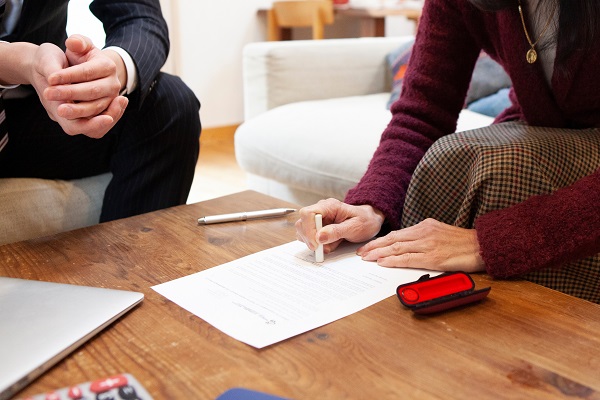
(523, 342)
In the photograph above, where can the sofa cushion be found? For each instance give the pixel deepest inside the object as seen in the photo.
(493, 104)
(488, 77)
(31, 208)
(320, 146)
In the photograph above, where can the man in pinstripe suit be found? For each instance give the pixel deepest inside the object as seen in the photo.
(73, 110)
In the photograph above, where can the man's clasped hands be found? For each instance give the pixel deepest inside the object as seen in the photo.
(80, 87)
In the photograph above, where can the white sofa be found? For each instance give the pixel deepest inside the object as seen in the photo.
(314, 113)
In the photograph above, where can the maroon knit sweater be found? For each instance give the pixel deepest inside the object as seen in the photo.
(544, 231)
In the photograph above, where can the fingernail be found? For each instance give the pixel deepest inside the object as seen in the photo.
(322, 237)
(361, 251)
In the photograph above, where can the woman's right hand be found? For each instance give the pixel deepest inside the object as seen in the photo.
(341, 221)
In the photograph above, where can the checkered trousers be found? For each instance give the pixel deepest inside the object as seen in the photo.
(468, 174)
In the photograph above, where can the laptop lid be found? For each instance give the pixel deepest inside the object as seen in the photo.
(42, 322)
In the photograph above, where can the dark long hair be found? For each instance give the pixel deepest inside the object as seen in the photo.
(578, 22)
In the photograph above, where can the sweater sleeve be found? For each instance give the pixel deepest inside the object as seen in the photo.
(433, 93)
(138, 27)
(543, 231)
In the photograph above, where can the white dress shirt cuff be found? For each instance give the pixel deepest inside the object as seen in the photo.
(132, 78)
(2, 87)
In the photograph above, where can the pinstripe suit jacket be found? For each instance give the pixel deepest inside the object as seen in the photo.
(134, 25)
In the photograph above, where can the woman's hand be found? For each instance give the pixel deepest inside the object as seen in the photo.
(341, 221)
(429, 245)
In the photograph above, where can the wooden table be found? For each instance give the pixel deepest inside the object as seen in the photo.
(372, 20)
(523, 342)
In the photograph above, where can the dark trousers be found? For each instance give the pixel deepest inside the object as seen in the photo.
(151, 152)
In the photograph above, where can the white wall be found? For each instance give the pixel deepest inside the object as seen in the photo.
(82, 21)
(207, 38)
(212, 34)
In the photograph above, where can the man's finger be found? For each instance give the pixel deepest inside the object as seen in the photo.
(79, 44)
(117, 107)
(86, 109)
(95, 127)
(50, 60)
(87, 91)
(89, 71)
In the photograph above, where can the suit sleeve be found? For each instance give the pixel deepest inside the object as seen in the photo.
(138, 27)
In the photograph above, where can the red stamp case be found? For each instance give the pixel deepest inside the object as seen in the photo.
(429, 295)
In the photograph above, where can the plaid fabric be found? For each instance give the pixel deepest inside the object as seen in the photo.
(468, 174)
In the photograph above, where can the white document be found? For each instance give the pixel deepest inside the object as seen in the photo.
(275, 294)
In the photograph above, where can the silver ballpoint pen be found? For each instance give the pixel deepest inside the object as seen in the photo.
(243, 216)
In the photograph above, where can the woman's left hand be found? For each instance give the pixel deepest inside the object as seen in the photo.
(428, 245)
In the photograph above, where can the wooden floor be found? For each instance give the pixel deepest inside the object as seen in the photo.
(217, 172)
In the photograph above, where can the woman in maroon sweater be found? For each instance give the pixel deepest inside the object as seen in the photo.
(558, 89)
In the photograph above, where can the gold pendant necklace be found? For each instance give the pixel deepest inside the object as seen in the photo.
(531, 55)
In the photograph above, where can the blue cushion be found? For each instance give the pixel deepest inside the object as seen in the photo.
(491, 105)
(488, 79)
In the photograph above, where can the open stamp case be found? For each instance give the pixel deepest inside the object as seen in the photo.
(429, 295)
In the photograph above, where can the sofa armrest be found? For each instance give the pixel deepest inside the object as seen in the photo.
(278, 73)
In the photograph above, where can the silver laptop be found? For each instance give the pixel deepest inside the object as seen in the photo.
(42, 322)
